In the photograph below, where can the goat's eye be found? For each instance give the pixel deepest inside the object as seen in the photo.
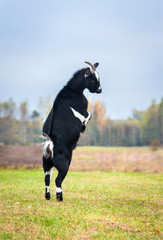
(92, 81)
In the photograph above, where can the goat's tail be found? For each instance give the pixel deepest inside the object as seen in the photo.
(47, 146)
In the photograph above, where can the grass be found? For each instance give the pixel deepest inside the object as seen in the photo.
(97, 205)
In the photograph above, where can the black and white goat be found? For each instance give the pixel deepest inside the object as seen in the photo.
(68, 117)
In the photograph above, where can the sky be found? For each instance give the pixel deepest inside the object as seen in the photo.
(42, 43)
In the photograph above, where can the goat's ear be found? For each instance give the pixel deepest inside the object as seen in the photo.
(96, 65)
(87, 72)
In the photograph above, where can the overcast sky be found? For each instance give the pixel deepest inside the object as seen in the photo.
(42, 43)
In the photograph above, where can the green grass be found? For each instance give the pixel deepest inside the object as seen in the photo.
(97, 205)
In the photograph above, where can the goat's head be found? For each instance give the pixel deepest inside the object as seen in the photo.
(92, 78)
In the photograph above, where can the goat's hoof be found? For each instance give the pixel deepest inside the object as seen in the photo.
(83, 128)
(47, 196)
(59, 197)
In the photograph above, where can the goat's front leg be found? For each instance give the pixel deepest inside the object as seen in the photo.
(84, 124)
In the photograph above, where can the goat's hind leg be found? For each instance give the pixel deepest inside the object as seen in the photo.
(62, 172)
(48, 175)
(48, 168)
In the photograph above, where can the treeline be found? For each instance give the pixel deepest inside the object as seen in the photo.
(18, 125)
(144, 128)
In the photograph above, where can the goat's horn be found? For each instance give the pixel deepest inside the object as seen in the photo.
(92, 66)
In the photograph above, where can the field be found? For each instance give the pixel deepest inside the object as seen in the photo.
(121, 159)
(97, 205)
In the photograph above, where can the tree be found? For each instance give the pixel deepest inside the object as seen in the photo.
(150, 124)
(44, 106)
(160, 120)
(35, 114)
(137, 114)
(23, 114)
(23, 111)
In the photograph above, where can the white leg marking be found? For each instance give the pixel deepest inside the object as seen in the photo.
(78, 115)
(58, 189)
(49, 172)
(81, 117)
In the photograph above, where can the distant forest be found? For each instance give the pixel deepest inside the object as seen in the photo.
(19, 126)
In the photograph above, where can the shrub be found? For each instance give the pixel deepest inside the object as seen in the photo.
(154, 145)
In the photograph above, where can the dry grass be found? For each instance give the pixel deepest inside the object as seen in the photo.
(121, 159)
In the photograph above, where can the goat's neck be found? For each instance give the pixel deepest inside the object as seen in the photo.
(76, 84)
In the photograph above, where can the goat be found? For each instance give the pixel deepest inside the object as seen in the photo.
(67, 118)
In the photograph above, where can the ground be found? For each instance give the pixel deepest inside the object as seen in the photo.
(97, 205)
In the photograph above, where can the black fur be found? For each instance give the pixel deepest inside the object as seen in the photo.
(59, 196)
(63, 127)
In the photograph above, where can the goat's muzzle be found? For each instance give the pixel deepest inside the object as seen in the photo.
(99, 90)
